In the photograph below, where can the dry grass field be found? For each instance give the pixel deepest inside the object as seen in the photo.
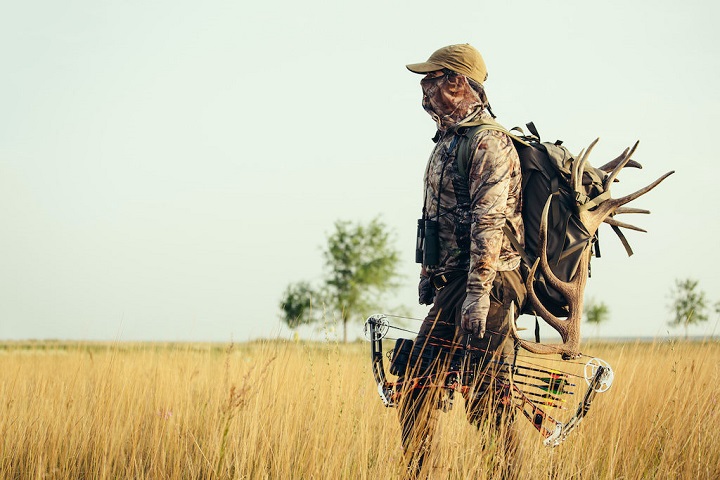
(283, 410)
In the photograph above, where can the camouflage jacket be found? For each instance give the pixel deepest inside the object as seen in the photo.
(472, 211)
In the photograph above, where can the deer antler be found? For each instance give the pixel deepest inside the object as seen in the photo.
(569, 328)
(573, 290)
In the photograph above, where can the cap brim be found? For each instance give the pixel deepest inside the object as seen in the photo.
(424, 67)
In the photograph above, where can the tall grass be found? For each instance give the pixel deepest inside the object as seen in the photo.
(280, 410)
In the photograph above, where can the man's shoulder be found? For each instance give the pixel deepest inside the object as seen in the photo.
(490, 138)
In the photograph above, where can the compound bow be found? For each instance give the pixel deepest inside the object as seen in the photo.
(534, 386)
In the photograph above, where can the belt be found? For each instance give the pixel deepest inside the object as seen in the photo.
(439, 281)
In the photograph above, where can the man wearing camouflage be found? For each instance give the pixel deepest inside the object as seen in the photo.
(473, 283)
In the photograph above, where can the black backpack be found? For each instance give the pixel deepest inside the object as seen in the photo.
(546, 171)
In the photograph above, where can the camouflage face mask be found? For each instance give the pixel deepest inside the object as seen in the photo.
(449, 99)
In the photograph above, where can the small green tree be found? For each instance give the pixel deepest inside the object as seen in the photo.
(301, 304)
(689, 305)
(361, 265)
(596, 313)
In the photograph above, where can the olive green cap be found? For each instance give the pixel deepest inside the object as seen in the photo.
(463, 59)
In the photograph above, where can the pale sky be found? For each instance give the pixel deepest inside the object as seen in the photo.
(167, 168)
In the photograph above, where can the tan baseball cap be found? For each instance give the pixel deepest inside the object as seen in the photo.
(463, 59)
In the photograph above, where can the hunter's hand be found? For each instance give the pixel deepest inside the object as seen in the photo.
(426, 291)
(474, 314)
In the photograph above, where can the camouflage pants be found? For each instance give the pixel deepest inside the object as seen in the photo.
(436, 350)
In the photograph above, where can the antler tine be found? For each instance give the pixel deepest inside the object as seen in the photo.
(540, 309)
(579, 166)
(538, 348)
(574, 171)
(610, 166)
(543, 348)
(552, 279)
(584, 157)
(615, 203)
(616, 223)
(610, 178)
(593, 219)
(620, 210)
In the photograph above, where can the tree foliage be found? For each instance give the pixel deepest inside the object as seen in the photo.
(689, 304)
(300, 304)
(596, 313)
(360, 266)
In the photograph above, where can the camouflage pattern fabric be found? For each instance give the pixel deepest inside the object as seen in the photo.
(471, 212)
(450, 99)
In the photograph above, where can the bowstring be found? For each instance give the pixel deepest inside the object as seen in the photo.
(526, 357)
(422, 320)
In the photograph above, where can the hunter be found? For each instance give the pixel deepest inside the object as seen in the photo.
(470, 271)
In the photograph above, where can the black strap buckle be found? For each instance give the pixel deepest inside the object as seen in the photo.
(439, 281)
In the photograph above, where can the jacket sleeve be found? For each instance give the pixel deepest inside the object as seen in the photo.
(490, 175)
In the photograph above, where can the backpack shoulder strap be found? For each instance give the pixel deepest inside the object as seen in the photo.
(463, 157)
(469, 130)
